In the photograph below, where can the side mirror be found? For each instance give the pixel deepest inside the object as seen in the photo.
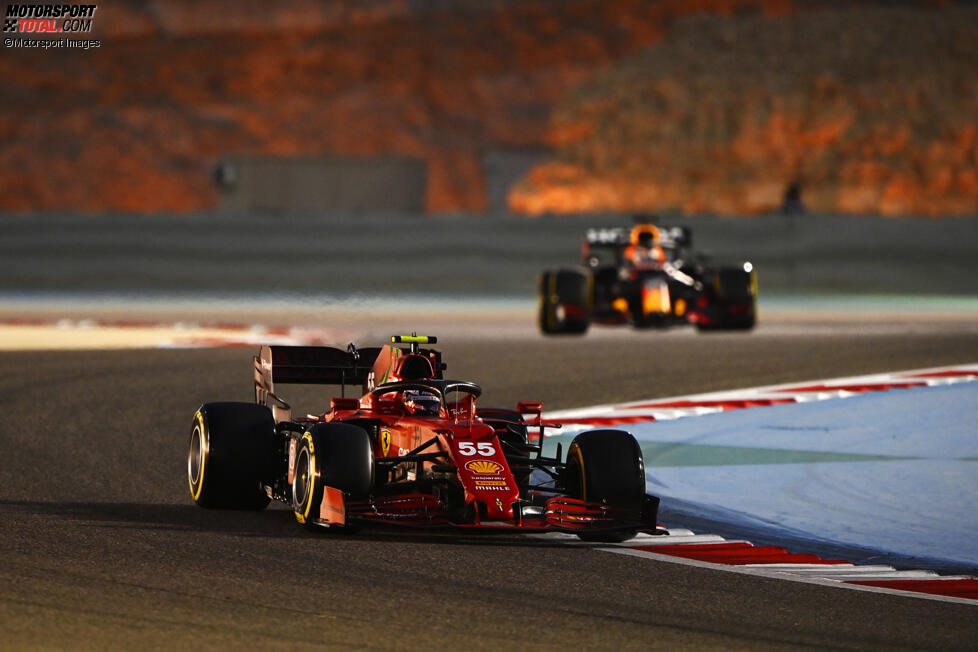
(345, 404)
(529, 407)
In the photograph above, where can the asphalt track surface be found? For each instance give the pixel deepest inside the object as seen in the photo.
(103, 549)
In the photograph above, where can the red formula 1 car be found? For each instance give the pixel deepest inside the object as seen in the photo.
(414, 450)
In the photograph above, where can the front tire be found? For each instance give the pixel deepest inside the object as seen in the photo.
(335, 454)
(230, 453)
(606, 466)
(565, 302)
(733, 300)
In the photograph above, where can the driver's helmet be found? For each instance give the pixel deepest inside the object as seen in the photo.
(421, 403)
(645, 236)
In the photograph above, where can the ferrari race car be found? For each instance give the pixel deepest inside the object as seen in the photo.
(413, 450)
(647, 276)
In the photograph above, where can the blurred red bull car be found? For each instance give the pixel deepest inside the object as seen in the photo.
(647, 276)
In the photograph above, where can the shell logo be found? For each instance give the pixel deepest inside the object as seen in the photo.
(484, 467)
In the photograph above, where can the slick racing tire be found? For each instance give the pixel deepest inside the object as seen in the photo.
(338, 455)
(230, 456)
(565, 302)
(606, 466)
(733, 295)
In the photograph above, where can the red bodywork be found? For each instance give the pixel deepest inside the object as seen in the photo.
(444, 470)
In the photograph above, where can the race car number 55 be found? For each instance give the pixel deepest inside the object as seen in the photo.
(482, 448)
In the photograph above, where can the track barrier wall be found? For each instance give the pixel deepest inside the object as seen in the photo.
(460, 255)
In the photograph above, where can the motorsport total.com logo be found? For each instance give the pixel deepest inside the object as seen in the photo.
(29, 20)
(48, 18)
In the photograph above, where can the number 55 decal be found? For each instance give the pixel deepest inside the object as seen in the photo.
(482, 448)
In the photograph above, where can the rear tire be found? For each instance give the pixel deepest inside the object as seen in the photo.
(231, 454)
(606, 466)
(339, 455)
(565, 302)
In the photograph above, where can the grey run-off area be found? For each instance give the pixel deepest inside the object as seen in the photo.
(493, 255)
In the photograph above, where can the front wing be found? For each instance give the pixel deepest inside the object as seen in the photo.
(558, 514)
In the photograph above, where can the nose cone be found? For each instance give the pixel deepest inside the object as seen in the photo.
(497, 510)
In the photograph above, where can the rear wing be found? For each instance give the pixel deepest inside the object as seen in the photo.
(313, 365)
(308, 365)
(607, 236)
